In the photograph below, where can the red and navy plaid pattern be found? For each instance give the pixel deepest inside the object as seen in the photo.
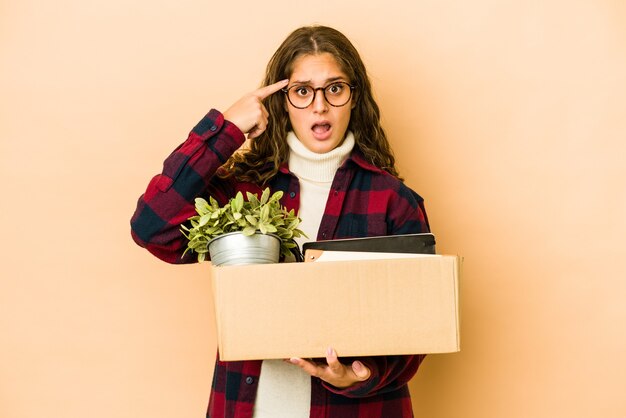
(364, 201)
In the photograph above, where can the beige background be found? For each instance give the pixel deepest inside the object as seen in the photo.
(508, 116)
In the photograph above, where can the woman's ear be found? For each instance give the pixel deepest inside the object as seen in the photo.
(354, 99)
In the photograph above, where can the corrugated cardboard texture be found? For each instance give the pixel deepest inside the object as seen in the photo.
(371, 307)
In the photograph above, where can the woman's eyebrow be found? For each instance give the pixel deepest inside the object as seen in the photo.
(328, 80)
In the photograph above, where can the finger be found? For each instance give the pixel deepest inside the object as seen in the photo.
(360, 370)
(267, 91)
(255, 132)
(333, 361)
(307, 366)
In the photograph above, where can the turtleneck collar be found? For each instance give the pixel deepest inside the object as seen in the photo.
(309, 165)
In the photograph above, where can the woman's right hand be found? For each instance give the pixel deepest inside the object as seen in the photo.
(249, 114)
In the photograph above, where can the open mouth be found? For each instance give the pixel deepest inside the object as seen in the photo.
(321, 130)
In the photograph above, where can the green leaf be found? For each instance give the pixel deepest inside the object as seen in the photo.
(265, 196)
(277, 221)
(237, 202)
(214, 230)
(269, 228)
(249, 231)
(253, 200)
(293, 223)
(201, 205)
(204, 219)
(265, 213)
(285, 234)
(276, 196)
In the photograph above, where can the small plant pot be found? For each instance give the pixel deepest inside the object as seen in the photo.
(236, 249)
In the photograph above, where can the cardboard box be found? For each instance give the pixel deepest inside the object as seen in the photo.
(363, 307)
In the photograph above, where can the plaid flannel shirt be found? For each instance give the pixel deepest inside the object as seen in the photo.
(364, 201)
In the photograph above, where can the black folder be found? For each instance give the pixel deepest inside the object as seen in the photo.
(409, 243)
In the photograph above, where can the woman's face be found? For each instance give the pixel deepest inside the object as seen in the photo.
(320, 126)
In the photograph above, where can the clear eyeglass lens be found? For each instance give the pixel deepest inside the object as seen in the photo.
(337, 94)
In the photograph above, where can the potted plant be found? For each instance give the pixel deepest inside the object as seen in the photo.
(242, 231)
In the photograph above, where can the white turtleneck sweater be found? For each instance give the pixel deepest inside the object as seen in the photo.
(284, 389)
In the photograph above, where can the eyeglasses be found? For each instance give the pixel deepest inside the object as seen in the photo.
(336, 94)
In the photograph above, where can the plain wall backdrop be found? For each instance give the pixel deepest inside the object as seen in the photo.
(508, 117)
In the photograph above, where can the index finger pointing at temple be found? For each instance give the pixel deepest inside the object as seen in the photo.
(267, 91)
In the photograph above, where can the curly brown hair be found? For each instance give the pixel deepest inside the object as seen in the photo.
(268, 151)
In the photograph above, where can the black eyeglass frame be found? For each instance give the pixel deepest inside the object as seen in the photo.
(286, 91)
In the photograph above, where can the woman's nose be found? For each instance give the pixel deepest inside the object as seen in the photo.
(319, 102)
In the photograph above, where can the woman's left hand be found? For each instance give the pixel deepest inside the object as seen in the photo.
(337, 374)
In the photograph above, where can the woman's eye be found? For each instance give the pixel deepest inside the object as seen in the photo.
(334, 88)
(303, 91)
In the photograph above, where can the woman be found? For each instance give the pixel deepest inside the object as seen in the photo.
(314, 132)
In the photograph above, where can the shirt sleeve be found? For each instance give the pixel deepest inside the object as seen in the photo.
(407, 213)
(187, 173)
